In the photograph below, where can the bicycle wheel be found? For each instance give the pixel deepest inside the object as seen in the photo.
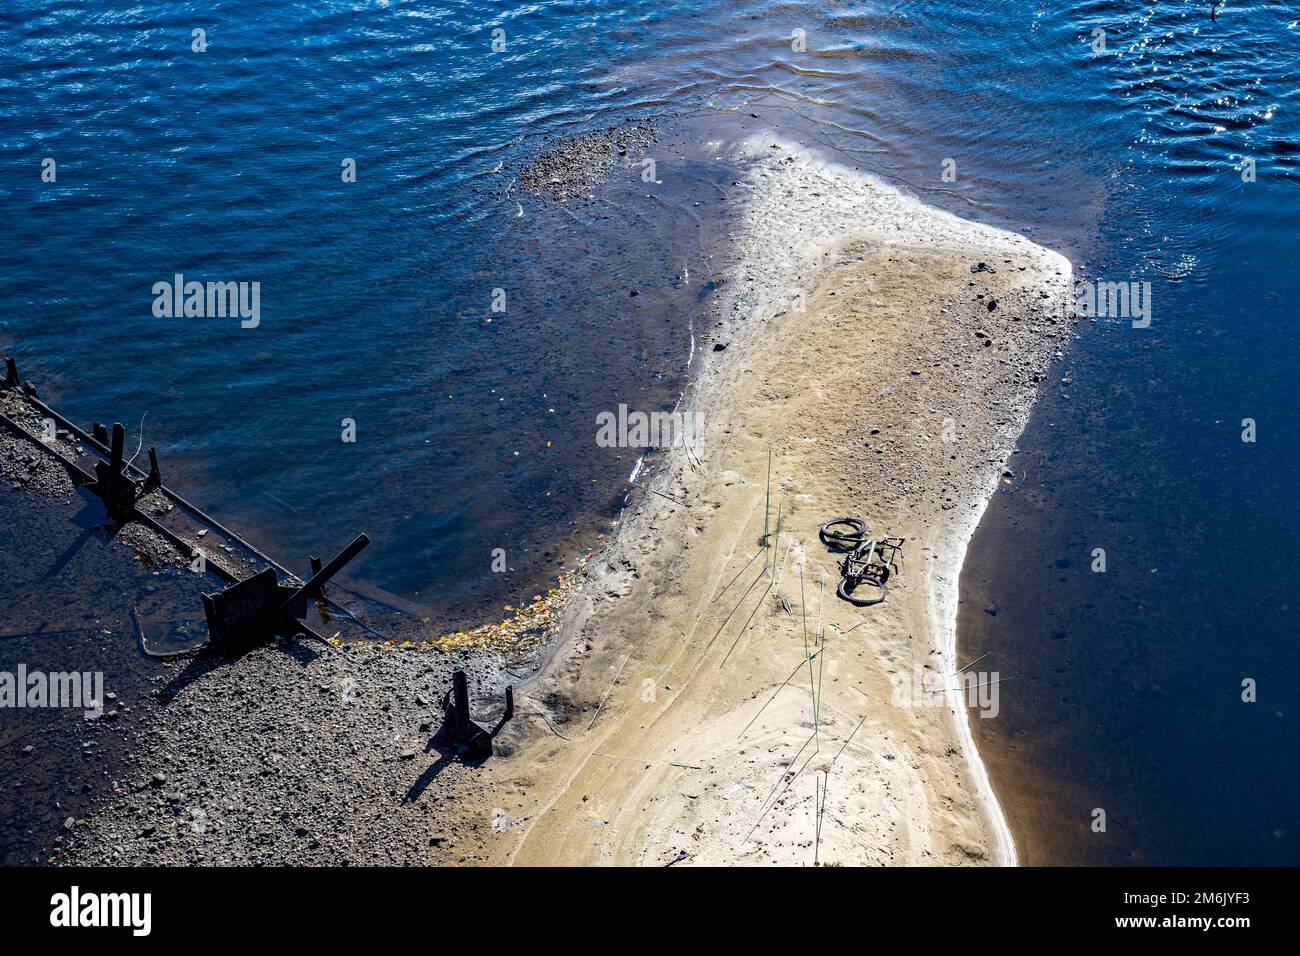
(845, 592)
(842, 540)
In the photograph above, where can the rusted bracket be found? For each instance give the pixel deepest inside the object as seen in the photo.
(472, 741)
(256, 609)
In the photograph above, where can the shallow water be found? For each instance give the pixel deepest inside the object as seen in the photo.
(226, 165)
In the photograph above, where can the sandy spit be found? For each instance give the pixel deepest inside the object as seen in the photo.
(885, 355)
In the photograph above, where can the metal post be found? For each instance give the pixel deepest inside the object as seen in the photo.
(155, 474)
(119, 442)
(460, 700)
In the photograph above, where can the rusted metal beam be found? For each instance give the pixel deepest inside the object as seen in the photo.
(335, 565)
(249, 610)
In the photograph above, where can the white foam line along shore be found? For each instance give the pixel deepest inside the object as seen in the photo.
(944, 595)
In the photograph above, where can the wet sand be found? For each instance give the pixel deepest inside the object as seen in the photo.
(888, 379)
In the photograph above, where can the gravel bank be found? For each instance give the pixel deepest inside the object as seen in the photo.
(297, 754)
(574, 167)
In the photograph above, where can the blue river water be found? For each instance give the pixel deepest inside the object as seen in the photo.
(1149, 141)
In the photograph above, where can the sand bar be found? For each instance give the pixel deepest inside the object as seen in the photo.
(886, 355)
